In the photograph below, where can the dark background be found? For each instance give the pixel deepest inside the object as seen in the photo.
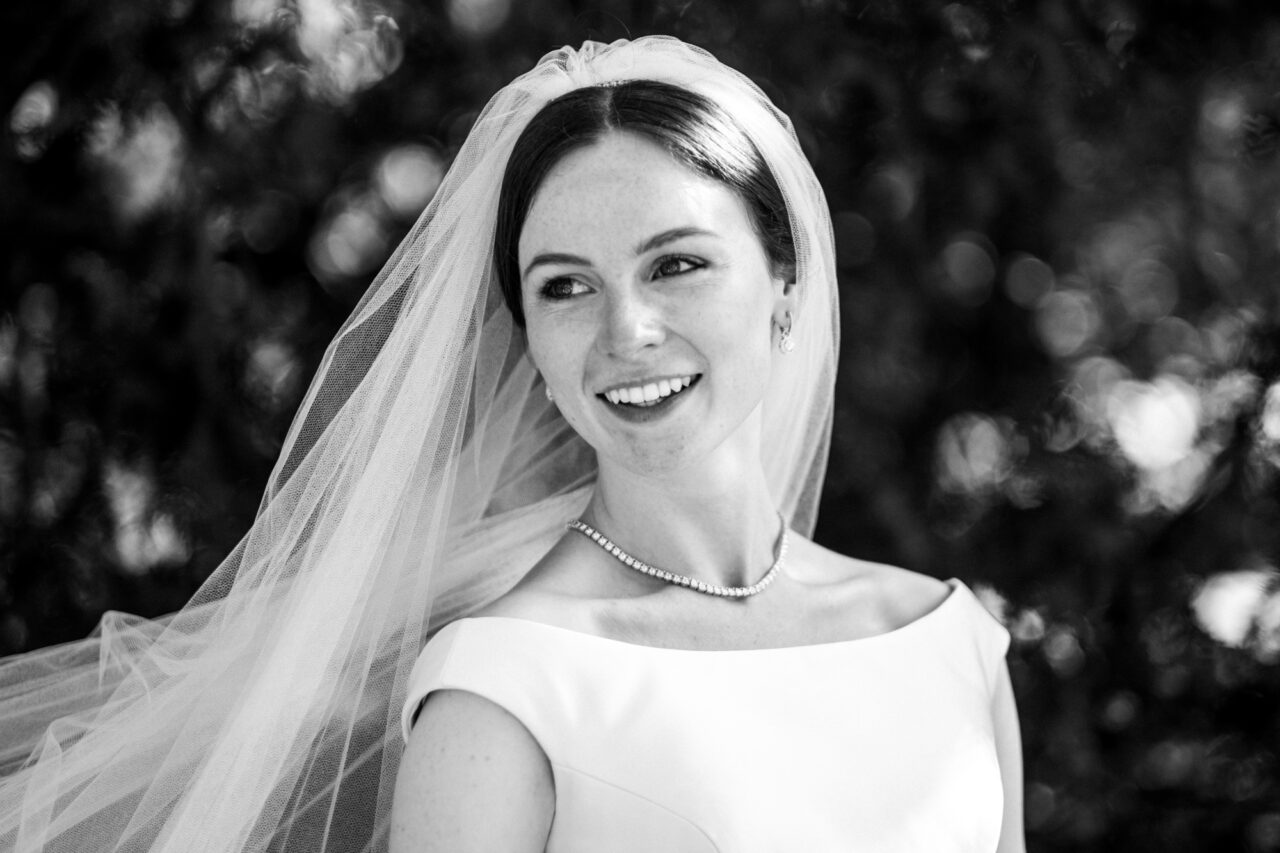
(1058, 226)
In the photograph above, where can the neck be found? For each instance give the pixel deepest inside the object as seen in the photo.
(717, 523)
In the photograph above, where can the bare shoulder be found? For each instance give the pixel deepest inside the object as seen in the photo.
(895, 596)
(472, 777)
(467, 762)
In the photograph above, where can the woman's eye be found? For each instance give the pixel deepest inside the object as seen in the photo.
(562, 288)
(675, 266)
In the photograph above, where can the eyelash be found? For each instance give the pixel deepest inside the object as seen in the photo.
(679, 259)
(547, 290)
(691, 265)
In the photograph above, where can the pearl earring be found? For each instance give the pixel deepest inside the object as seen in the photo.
(786, 343)
(547, 388)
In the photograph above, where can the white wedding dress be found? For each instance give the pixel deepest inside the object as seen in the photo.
(880, 744)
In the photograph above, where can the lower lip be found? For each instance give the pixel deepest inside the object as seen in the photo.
(648, 414)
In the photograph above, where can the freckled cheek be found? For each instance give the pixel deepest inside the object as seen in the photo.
(558, 356)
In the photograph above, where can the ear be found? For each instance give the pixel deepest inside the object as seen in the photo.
(784, 299)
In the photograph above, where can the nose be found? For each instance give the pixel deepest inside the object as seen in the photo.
(632, 322)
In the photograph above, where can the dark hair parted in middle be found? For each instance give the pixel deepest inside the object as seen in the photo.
(692, 129)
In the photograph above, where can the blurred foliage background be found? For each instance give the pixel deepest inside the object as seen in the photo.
(1058, 225)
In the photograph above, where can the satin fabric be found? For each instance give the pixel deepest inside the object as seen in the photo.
(882, 744)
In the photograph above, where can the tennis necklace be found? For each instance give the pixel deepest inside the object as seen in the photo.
(684, 580)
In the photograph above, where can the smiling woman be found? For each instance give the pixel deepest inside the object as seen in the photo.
(674, 305)
(592, 502)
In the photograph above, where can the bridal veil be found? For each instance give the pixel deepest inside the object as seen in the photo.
(423, 475)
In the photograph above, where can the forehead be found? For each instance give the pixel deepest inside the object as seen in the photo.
(626, 185)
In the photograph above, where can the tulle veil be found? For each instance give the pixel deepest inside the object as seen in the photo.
(423, 475)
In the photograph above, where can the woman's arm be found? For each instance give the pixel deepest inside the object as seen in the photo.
(1009, 754)
(472, 779)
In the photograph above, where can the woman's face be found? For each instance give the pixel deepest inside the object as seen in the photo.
(649, 304)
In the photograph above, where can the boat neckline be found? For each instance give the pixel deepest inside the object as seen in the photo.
(957, 586)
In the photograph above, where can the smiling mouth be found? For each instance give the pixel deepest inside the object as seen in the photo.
(650, 393)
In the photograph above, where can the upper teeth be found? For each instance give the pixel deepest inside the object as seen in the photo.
(648, 392)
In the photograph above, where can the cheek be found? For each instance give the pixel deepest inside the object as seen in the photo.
(542, 350)
(557, 354)
(745, 329)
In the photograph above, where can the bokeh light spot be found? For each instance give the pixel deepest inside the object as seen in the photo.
(1267, 630)
(142, 156)
(1120, 711)
(1222, 117)
(30, 118)
(995, 603)
(1028, 627)
(1229, 395)
(1269, 420)
(1063, 651)
(970, 30)
(254, 12)
(1226, 604)
(894, 188)
(970, 271)
(1067, 321)
(1225, 335)
(478, 18)
(347, 47)
(60, 472)
(1169, 764)
(272, 373)
(407, 178)
(144, 539)
(1028, 280)
(1155, 424)
(974, 454)
(350, 244)
(1092, 381)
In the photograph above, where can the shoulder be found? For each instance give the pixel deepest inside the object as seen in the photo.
(882, 597)
(470, 756)
(886, 596)
(466, 761)
(910, 595)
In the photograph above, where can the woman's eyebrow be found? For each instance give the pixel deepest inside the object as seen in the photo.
(554, 258)
(671, 235)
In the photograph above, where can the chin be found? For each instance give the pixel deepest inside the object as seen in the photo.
(650, 459)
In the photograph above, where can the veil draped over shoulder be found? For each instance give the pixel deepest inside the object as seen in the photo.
(423, 475)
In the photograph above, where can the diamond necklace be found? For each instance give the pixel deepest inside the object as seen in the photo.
(684, 580)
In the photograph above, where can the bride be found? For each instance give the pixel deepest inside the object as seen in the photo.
(606, 351)
(609, 704)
